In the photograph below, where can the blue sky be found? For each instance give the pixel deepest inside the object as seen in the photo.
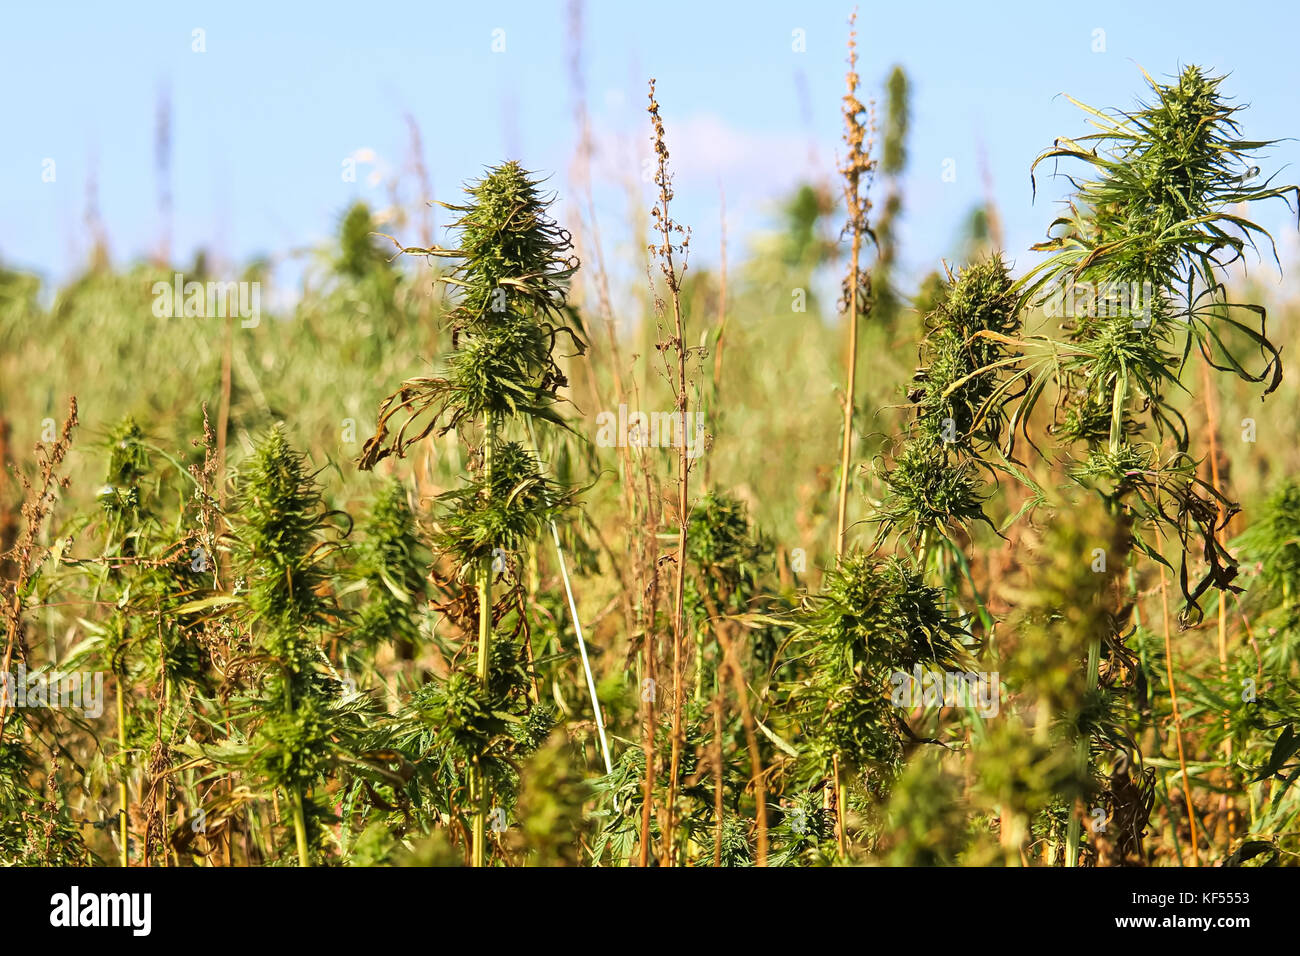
(263, 120)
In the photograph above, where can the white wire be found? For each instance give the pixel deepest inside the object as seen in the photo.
(582, 649)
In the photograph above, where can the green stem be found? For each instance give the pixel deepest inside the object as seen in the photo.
(123, 830)
(478, 782)
(699, 665)
(1075, 833)
(299, 826)
(842, 807)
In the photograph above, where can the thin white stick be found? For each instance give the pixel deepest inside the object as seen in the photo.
(582, 648)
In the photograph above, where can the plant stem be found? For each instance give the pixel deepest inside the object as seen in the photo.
(1074, 834)
(162, 712)
(299, 826)
(1178, 726)
(857, 166)
(223, 409)
(479, 846)
(1212, 428)
(841, 810)
(679, 581)
(717, 776)
(485, 565)
(123, 796)
(731, 664)
(850, 390)
(672, 278)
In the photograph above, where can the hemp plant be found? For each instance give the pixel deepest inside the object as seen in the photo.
(148, 569)
(297, 726)
(1064, 613)
(502, 376)
(128, 526)
(123, 511)
(878, 614)
(1149, 238)
(391, 565)
(960, 387)
(873, 617)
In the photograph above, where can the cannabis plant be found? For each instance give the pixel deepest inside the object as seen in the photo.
(1149, 239)
(966, 378)
(392, 566)
(873, 619)
(297, 724)
(510, 282)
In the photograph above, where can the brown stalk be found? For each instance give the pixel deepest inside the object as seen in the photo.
(650, 721)
(1178, 726)
(645, 555)
(647, 623)
(717, 778)
(646, 516)
(857, 169)
(8, 521)
(732, 666)
(211, 480)
(1212, 428)
(664, 250)
(38, 503)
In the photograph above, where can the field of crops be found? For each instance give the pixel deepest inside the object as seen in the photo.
(505, 544)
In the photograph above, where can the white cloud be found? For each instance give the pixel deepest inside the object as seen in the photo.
(705, 148)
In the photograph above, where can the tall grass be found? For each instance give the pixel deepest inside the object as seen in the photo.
(485, 636)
